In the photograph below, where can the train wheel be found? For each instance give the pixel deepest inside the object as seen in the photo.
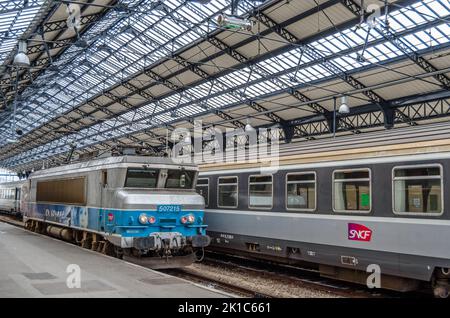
(118, 252)
(441, 292)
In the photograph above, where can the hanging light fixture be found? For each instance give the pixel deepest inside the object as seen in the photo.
(249, 127)
(187, 139)
(344, 109)
(21, 59)
(234, 23)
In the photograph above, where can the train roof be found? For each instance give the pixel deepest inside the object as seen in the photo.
(430, 138)
(111, 162)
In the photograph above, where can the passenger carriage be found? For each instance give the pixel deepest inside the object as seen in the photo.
(342, 206)
(10, 193)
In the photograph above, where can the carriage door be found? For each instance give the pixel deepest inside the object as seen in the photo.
(104, 198)
(17, 200)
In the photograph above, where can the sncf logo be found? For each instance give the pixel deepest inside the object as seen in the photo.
(358, 232)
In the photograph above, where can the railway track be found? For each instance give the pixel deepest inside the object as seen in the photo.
(215, 283)
(13, 220)
(267, 273)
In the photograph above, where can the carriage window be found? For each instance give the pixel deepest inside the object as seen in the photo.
(180, 179)
(203, 189)
(352, 191)
(301, 191)
(141, 178)
(418, 190)
(260, 192)
(227, 192)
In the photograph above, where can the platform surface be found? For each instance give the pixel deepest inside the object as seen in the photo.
(33, 265)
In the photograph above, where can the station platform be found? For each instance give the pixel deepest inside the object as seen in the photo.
(32, 265)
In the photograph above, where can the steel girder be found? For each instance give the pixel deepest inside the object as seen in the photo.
(419, 108)
(43, 60)
(332, 67)
(369, 116)
(402, 46)
(307, 128)
(18, 5)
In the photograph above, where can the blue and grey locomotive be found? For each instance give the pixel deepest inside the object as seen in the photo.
(140, 208)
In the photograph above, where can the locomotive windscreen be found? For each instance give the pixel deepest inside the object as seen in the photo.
(180, 179)
(141, 178)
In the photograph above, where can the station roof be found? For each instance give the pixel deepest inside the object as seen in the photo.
(137, 70)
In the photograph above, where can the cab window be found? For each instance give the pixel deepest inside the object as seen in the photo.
(141, 178)
(180, 179)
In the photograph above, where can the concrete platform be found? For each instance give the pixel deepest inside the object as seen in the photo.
(32, 265)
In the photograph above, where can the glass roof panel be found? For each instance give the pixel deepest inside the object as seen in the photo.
(280, 66)
(15, 17)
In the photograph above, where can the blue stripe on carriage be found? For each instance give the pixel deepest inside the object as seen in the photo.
(124, 222)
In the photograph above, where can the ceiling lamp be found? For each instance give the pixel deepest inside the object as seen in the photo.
(344, 109)
(187, 139)
(21, 59)
(236, 23)
(249, 127)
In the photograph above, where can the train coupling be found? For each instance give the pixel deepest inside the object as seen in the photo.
(160, 241)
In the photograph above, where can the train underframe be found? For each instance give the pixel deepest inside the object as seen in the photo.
(352, 266)
(164, 258)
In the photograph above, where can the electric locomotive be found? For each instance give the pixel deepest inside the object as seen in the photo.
(142, 209)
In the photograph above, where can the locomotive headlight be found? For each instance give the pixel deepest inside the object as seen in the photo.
(191, 218)
(188, 219)
(151, 219)
(143, 219)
